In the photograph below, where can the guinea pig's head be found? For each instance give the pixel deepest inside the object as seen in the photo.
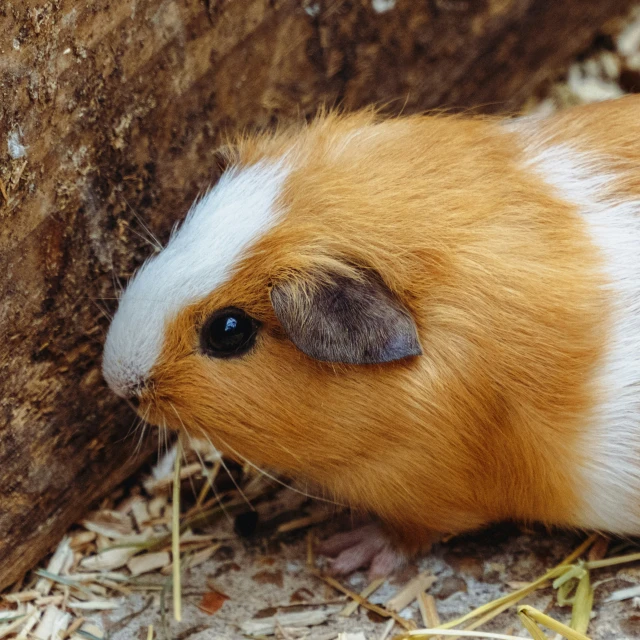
(271, 319)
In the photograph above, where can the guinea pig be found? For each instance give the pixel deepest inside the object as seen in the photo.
(435, 319)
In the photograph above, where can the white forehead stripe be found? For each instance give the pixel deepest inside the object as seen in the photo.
(199, 257)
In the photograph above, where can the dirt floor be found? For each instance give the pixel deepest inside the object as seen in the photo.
(252, 573)
(267, 578)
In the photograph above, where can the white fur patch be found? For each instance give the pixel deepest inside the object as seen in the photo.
(199, 257)
(612, 502)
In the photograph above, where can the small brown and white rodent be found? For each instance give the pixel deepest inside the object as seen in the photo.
(436, 319)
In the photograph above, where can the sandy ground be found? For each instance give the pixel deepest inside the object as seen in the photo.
(264, 576)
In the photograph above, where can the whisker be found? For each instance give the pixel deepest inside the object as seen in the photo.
(143, 431)
(281, 482)
(155, 242)
(190, 440)
(117, 285)
(146, 415)
(135, 424)
(185, 462)
(166, 442)
(163, 440)
(211, 484)
(133, 406)
(237, 486)
(145, 239)
(224, 466)
(165, 435)
(112, 298)
(196, 451)
(103, 311)
(291, 453)
(161, 431)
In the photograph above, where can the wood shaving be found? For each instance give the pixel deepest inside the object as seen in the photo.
(12, 627)
(410, 592)
(23, 596)
(60, 562)
(624, 594)
(109, 524)
(148, 562)
(370, 589)
(428, 610)
(82, 538)
(95, 605)
(196, 559)
(53, 622)
(109, 559)
(267, 626)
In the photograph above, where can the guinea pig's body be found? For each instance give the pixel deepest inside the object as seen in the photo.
(441, 317)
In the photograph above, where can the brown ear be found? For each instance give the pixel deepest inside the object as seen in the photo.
(341, 319)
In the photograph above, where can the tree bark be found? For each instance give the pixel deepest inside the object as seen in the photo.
(114, 106)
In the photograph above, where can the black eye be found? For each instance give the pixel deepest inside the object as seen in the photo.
(228, 333)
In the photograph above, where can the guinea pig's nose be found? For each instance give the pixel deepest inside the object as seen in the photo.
(134, 401)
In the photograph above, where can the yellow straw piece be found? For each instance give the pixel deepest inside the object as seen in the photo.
(431, 633)
(612, 562)
(582, 605)
(534, 630)
(530, 613)
(492, 609)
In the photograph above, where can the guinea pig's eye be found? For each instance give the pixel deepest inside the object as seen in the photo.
(227, 333)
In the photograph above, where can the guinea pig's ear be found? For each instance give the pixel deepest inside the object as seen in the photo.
(343, 319)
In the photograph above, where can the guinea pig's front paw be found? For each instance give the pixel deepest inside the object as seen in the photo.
(368, 546)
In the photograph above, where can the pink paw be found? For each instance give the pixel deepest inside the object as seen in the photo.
(366, 546)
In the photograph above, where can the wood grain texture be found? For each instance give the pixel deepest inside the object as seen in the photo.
(119, 105)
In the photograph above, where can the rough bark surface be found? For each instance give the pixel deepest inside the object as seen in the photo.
(113, 106)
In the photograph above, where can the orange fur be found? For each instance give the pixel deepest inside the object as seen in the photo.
(610, 129)
(505, 288)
